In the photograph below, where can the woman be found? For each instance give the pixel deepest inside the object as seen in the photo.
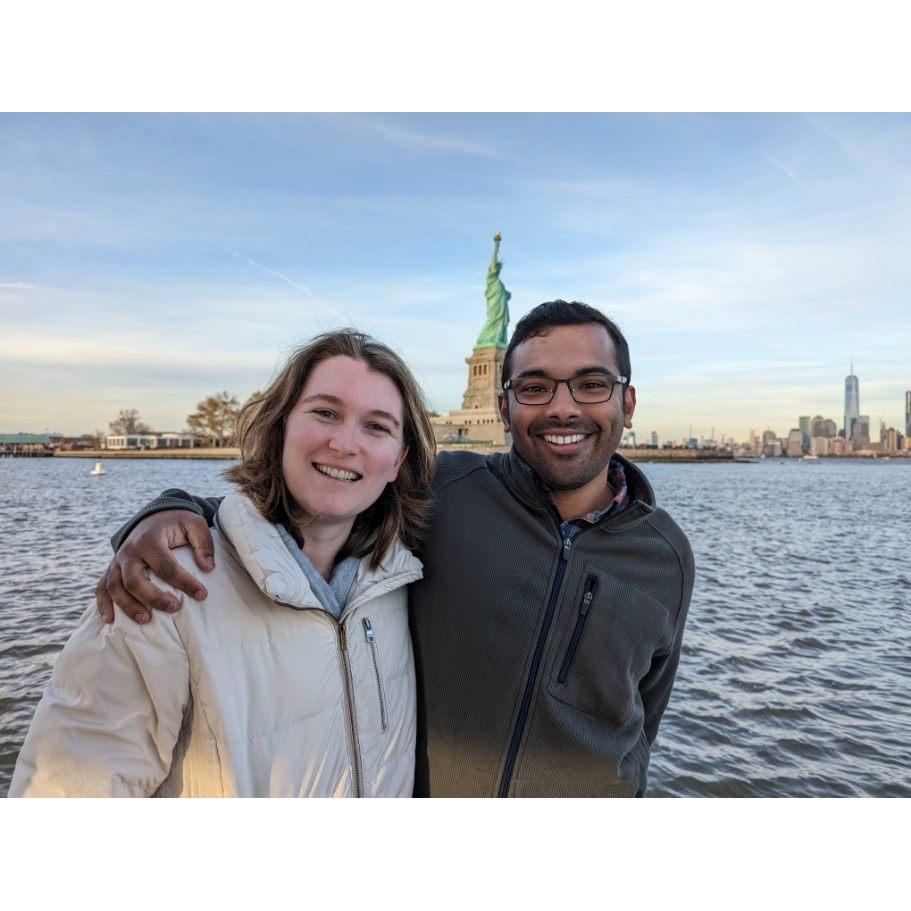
(295, 677)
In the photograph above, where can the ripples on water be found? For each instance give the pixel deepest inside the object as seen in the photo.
(796, 670)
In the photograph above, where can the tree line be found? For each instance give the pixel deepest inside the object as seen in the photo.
(214, 420)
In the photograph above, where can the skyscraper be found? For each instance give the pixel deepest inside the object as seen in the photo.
(804, 423)
(852, 400)
(908, 414)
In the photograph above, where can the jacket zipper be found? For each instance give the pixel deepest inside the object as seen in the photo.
(348, 686)
(348, 680)
(533, 672)
(352, 721)
(371, 641)
(591, 584)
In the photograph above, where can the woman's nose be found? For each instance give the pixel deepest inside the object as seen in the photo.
(343, 439)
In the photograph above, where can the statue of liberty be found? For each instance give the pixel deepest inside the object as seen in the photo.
(494, 331)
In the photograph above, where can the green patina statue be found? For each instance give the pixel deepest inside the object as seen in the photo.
(494, 331)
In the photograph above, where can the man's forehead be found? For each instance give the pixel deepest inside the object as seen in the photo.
(566, 348)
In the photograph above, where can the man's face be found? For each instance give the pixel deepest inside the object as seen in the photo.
(563, 353)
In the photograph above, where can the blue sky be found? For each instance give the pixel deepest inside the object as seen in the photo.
(148, 261)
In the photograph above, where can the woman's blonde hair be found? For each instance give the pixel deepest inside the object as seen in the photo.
(401, 510)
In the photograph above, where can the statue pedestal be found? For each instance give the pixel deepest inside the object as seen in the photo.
(478, 419)
(485, 368)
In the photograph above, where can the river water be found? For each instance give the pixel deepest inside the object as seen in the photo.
(796, 670)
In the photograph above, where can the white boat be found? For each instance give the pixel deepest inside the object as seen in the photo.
(98, 469)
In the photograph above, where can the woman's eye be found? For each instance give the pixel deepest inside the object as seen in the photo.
(324, 412)
(380, 428)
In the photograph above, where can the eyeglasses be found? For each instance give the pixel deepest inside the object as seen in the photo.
(586, 389)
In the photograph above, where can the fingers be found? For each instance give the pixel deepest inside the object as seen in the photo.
(118, 593)
(200, 539)
(103, 600)
(134, 577)
(163, 564)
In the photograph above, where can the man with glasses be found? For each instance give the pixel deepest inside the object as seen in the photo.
(548, 626)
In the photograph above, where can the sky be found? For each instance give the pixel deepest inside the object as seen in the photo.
(149, 261)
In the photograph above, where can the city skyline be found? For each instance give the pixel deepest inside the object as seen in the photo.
(150, 261)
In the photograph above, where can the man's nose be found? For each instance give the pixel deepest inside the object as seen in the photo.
(563, 405)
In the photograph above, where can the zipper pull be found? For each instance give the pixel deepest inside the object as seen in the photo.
(342, 638)
(567, 544)
(368, 630)
(591, 583)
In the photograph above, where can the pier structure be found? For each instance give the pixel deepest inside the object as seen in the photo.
(28, 445)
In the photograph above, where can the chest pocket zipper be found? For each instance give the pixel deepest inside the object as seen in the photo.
(588, 595)
(371, 642)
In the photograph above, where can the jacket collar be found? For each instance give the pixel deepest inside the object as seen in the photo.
(521, 481)
(264, 556)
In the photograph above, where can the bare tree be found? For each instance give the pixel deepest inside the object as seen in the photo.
(215, 418)
(128, 422)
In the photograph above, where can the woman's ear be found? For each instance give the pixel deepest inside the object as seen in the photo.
(398, 464)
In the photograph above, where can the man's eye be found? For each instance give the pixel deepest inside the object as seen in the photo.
(594, 384)
(532, 387)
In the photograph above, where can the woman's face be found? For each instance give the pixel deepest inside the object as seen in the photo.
(343, 440)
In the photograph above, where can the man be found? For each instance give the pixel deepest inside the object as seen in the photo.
(548, 626)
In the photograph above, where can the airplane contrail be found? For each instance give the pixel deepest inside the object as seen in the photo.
(253, 262)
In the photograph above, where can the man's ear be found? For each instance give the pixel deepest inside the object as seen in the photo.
(503, 407)
(629, 406)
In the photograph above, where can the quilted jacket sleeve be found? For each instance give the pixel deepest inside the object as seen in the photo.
(111, 714)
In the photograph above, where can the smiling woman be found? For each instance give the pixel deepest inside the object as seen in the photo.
(295, 675)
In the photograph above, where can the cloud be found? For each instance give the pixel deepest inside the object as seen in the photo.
(413, 140)
(23, 286)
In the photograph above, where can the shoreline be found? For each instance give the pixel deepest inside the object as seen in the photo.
(672, 456)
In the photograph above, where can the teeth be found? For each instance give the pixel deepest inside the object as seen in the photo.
(562, 441)
(336, 472)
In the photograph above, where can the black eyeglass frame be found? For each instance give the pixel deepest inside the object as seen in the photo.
(615, 380)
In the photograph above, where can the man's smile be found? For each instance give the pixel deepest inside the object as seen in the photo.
(564, 442)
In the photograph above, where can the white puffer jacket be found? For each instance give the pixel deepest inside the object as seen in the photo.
(256, 691)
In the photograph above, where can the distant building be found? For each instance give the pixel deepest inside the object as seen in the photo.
(908, 414)
(161, 440)
(754, 441)
(29, 444)
(771, 446)
(841, 447)
(655, 438)
(131, 441)
(822, 427)
(174, 440)
(890, 439)
(820, 446)
(795, 443)
(852, 401)
(804, 423)
(860, 432)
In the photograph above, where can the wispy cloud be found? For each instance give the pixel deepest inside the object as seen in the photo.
(414, 140)
(23, 286)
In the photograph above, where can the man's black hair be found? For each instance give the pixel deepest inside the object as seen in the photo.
(562, 313)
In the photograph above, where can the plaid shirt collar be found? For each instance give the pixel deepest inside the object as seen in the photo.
(616, 477)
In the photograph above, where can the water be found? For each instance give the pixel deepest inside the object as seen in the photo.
(796, 670)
